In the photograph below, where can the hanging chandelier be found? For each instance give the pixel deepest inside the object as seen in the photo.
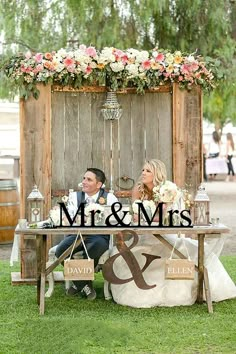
(111, 109)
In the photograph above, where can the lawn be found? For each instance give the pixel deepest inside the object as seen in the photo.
(74, 325)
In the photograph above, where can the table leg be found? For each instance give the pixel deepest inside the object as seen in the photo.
(207, 291)
(43, 274)
(200, 268)
(38, 254)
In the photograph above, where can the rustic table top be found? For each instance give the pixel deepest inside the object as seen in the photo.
(196, 230)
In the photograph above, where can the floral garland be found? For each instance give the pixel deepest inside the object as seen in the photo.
(110, 67)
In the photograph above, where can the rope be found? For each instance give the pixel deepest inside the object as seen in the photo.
(82, 240)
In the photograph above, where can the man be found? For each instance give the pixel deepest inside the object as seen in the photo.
(92, 192)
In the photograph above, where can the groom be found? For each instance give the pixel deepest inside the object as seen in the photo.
(92, 192)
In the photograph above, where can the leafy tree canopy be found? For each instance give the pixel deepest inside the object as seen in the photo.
(187, 25)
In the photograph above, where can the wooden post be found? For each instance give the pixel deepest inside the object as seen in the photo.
(35, 166)
(187, 137)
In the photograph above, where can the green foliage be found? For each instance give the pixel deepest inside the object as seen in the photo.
(73, 325)
(203, 25)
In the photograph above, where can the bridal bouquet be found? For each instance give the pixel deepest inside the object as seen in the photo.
(167, 192)
(149, 206)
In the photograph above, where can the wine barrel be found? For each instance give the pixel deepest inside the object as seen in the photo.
(9, 210)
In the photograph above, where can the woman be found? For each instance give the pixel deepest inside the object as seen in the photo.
(229, 154)
(160, 291)
(214, 145)
(153, 174)
(214, 148)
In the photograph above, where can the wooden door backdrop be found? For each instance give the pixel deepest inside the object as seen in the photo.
(63, 133)
(81, 138)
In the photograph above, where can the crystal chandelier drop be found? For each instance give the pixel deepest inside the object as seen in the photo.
(111, 109)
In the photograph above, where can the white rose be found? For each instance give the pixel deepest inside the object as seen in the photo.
(131, 52)
(132, 69)
(61, 53)
(178, 53)
(116, 67)
(169, 58)
(142, 56)
(190, 58)
(59, 67)
(106, 56)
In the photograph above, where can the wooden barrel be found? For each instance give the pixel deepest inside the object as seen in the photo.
(9, 210)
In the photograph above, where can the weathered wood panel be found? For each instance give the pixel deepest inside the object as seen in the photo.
(126, 153)
(187, 137)
(97, 124)
(164, 116)
(138, 135)
(58, 140)
(35, 132)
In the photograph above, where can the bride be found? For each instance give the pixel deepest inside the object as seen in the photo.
(166, 292)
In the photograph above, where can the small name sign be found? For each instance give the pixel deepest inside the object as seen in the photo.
(178, 269)
(79, 269)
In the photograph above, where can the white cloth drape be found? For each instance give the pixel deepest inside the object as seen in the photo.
(170, 292)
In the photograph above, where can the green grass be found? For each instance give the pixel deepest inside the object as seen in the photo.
(73, 325)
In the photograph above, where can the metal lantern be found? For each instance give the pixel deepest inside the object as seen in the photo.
(35, 205)
(111, 109)
(201, 208)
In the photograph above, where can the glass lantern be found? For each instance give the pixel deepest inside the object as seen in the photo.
(35, 202)
(201, 208)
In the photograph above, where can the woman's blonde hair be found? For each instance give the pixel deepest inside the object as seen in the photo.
(158, 170)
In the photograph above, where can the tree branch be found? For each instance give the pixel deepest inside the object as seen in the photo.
(20, 42)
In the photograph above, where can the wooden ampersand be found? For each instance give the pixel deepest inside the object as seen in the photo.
(131, 262)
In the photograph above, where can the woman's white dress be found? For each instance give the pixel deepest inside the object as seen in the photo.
(170, 292)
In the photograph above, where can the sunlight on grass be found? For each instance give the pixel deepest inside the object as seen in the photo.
(74, 325)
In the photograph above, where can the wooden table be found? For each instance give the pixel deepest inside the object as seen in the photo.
(198, 231)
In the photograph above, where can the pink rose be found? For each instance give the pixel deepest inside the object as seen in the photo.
(88, 70)
(28, 55)
(160, 57)
(185, 69)
(194, 67)
(91, 51)
(68, 61)
(146, 64)
(38, 57)
(82, 47)
(71, 68)
(124, 59)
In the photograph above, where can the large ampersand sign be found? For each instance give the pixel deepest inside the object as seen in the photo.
(131, 262)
